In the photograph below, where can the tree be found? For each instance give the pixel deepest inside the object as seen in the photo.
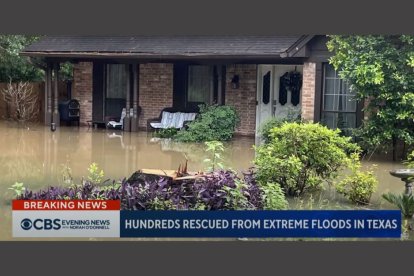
(380, 69)
(23, 100)
(14, 67)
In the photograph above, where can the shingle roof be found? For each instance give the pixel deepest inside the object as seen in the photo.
(190, 46)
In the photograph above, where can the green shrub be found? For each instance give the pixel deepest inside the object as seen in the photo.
(166, 133)
(301, 156)
(215, 148)
(359, 186)
(236, 196)
(404, 202)
(410, 160)
(268, 125)
(214, 123)
(95, 173)
(18, 188)
(273, 197)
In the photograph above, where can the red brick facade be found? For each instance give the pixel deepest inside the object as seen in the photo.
(308, 91)
(82, 89)
(244, 97)
(155, 90)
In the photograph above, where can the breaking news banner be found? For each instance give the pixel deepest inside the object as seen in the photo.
(103, 218)
(262, 224)
(66, 218)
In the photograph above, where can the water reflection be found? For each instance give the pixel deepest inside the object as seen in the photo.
(36, 157)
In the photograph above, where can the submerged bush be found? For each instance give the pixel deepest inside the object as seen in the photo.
(359, 186)
(301, 156)
(166, 133)
(219, 190)
(214, 123)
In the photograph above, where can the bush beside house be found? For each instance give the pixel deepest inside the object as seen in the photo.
(214, 123)
(302, 156)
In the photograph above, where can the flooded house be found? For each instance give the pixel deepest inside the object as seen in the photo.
(261, 76)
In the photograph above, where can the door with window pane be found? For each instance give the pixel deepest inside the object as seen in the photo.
(200, 85)
(339, 107)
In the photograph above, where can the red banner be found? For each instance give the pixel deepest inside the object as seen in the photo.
(79, 205)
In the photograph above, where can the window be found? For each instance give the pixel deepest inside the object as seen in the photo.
(116, 88)
(117, 77)
(339, 107)
(200, 84)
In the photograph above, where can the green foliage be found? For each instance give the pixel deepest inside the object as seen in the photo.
(66, 173)
(160, 204)
(215, 148)
(360, 185)
(268, 125)
(273, 197)
(214, 123)
(403, 202)
(14, 67)
(66, 71)
(18, 188)
(380, 69)
(95, 174)
(301, 156)
(236, 197)
(410, 160)
(166, 133)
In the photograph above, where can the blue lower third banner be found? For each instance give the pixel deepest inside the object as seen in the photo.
(262, 224)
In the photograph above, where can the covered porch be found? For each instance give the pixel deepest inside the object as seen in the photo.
(146, 74)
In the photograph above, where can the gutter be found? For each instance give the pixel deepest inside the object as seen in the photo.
(297, 46)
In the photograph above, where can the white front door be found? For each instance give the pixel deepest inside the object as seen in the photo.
(272, 101)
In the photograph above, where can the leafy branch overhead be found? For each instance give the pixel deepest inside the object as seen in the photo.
(380, 69)
(15, 67)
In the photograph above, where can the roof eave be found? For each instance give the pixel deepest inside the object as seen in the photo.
(103, 55)
(297, 46)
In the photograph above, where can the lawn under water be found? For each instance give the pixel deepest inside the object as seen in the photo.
(38, 157)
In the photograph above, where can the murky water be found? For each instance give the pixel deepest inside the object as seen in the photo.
(37, 157)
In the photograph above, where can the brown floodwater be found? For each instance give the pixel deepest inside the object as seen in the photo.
(38, 158)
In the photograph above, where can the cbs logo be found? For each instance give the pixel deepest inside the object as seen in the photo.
(40, 224)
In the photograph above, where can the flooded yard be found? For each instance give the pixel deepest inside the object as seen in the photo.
(38, 158)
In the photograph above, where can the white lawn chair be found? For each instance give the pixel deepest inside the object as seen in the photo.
(118, 124)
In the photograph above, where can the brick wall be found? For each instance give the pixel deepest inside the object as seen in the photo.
(155, 90)
(82, 89)
(308, 91)
(243, 98)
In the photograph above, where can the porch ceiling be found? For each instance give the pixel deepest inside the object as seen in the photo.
(163, 47)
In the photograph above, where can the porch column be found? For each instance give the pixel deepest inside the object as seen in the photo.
(56, 117)
(308, 91)
(48, 90)
(134, 120)
(219, 86)
(127, 120)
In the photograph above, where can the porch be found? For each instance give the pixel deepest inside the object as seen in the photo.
(152, 73)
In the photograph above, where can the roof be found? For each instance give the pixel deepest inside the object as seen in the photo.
(162, 46)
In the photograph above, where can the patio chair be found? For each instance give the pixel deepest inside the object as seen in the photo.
(119, 123)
